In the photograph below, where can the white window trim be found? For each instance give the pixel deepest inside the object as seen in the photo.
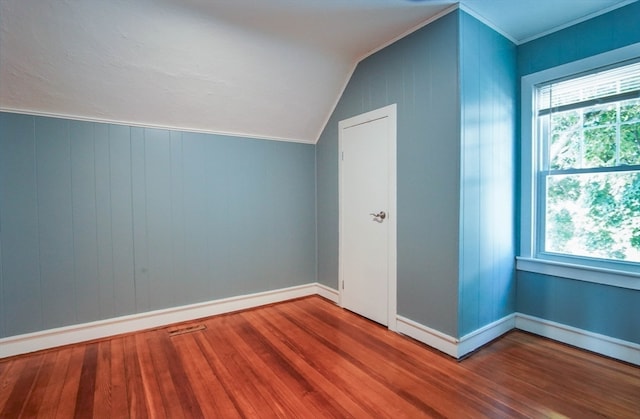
(528, 260)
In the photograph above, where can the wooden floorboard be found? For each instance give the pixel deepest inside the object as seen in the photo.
(307, 358)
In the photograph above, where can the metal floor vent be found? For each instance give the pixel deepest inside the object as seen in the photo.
(186, 329)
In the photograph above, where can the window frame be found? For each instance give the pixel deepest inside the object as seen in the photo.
(615, 273)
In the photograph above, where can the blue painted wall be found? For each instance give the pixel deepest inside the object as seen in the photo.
(102, 220)
(419, 73)
(612, 30)
(610, 311)
(488, 88)
(597, 308)
(422, 73)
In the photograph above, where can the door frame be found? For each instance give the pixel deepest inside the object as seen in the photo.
(389, 112)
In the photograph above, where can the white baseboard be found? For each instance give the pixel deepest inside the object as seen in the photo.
(30, 342)
(472, 341)
(595, 342)
(451, 346)
(432, 337)
(329, 293)
(457, 348)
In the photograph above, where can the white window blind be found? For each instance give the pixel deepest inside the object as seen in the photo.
(598, 87)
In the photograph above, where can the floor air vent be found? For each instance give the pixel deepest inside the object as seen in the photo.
(186, 329)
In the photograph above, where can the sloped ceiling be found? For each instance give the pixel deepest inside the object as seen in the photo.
(260, 68)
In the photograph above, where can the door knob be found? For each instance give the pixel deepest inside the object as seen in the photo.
(381, 215)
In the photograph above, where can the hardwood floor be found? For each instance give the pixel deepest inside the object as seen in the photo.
(309, 358)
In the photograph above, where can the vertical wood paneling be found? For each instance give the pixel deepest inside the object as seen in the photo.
(326, 152)
(104, 230)
(55, 224)
(85, 240)
(395, 92)
(488, 91)
(435, 294)
(2, 311)
(3, 319)
(486, 47)
(157, 149)
(177, 221)
(235, 205)
(139, 211)
(243, 207)
(603, 33)
(196, 214)
(224, 225)
(471, 182)
(503, 171)
(611, 311)
(377, 86)
(102, 220)
(121, 216)
(279, 237)
(286, 259)
(21, 260)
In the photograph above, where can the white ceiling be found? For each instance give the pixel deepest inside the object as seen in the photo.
(262, 68)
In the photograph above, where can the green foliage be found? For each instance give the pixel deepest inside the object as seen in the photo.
(565, 121)
(563, 231)
(630, 111)
(566, 188)
(599, 116)
(631, 197)
(599, 240)
(635, 238)
(565, 140)
(599, 147)
(619, 254)
(595, 214)
(630, 132)
(603, 207)
(565, 150)
(630, 143)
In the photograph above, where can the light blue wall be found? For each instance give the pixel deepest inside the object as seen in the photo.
(598, 308)
(419, 73)
(610, 311)
(488, 109)
(612, 30)
(455, 235)
(103, 220)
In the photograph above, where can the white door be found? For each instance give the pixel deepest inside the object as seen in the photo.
(367, 215)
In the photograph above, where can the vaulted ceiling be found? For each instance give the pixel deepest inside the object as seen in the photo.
(260, 68)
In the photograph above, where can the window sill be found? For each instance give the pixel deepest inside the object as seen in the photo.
(580, 272)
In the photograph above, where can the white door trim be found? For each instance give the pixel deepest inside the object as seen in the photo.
(389, 112)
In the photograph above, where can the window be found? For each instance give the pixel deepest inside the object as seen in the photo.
(588, 186)
(580, 170)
